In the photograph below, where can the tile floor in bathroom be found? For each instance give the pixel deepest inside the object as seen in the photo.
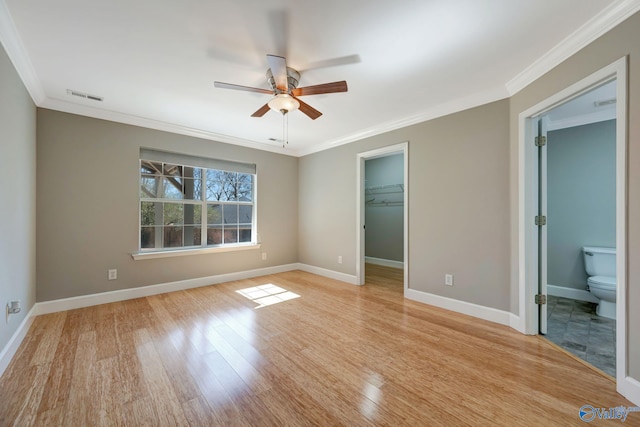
(575, 326)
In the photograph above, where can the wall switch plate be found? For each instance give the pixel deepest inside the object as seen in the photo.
(264, 256)
(339, 259)
(113, 274)
(448, 279)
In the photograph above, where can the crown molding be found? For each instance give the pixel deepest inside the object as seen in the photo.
(444, 109)
(594, 28)
(129, 119)
(604, 21)
(17, 54)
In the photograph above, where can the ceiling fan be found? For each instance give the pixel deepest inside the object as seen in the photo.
(284, 88)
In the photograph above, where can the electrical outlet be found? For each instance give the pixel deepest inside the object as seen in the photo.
(339, 259)
(448, 279)
(113, 274)
(14, 307)
(264, 256)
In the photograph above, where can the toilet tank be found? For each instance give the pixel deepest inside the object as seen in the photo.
(600, 261)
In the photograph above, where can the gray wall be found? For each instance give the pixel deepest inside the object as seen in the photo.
(384, 233)
(18, 195)
(581, 191)
(619, 42)
(87, 213)
(458, 204)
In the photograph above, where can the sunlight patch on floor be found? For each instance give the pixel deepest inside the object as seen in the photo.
(268, 294)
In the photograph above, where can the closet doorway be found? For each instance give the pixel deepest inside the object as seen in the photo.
(382, 229)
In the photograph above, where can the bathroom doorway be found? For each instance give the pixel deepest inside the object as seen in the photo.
(536, 298)
(577, 199)
(382, 228)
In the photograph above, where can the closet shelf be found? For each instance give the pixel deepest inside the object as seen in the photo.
(385, 189)
(393, 195)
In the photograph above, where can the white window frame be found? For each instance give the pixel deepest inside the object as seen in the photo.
(204, 164)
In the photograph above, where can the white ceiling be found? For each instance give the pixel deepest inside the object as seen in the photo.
(405, 61)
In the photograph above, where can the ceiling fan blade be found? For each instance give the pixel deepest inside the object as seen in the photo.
(320, 89)
(333, 62)
(278, 66)
(261, 111)
(309, 110)
(279, 20)
(238, 87)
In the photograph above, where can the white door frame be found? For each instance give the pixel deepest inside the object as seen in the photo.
(527, 205)
(402, 148)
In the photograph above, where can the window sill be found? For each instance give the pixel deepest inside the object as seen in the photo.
(137, 256)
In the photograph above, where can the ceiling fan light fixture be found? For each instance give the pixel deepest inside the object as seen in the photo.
(284, 103)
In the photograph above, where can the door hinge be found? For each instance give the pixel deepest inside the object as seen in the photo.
(541, 299)
(541, 141)
(541, 220)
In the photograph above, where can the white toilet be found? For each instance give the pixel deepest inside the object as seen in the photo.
(600, 264)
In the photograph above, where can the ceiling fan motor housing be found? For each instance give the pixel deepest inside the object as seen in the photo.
(293, 76)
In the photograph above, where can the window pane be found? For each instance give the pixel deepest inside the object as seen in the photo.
(150, 167)
(214, 214)
(172, 170)
(230, 185)
(173, 188)
(172, 237)
(149, 186)
(173, 214)
(231, 234)
(190, 172)
(150, 213)
(245, 187)
(214, 235)
(148, 237)
(245, 233)
(230, 214)
(191, 214)
(192, 189)
(244, 216)
(192, 235)
(215, 185)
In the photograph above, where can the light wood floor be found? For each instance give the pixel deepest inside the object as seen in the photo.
(336, 355)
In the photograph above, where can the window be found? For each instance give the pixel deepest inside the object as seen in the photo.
(190, 202)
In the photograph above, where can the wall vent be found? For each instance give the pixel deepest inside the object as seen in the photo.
(84, 95)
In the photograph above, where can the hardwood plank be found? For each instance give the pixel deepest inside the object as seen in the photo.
(59, 381)
(80, 407)
(336, 355)
(167, 409)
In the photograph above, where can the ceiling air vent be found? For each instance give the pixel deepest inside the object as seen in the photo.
(84, 95)
(605, 102)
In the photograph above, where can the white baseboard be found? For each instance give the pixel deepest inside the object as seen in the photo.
(349, 278)
(384, 262)
(11, 348)
(479, 311)
(144, 291)
(572, 293)
(630, 388)
(517, 323)
(82, 301)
